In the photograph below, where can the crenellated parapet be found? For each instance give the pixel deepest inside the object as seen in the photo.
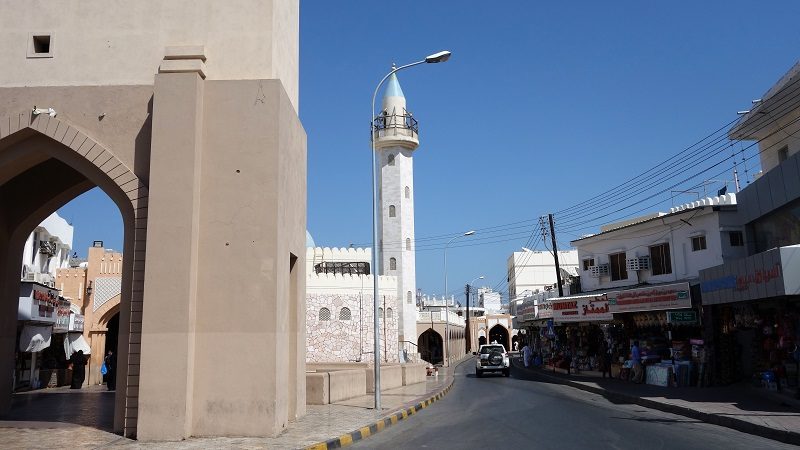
(329, 282)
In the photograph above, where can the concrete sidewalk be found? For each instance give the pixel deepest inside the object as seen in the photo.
(326, 426)
(743, 408)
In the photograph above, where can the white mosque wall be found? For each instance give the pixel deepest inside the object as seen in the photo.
(341, 337)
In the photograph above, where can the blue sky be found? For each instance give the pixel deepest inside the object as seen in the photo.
(540, 107)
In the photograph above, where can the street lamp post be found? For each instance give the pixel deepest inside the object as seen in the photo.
(446, 305)
(430, 59)
(468, 332)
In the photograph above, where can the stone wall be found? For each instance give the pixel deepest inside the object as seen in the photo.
(339, 339)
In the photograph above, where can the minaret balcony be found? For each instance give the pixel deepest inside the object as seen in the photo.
(396, 129)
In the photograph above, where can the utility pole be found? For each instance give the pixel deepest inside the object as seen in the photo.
(555, 255)
(467, 333)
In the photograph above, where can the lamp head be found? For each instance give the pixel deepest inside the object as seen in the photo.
(469, 233)
(438, 57)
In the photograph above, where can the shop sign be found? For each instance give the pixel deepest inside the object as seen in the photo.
(581, 309)
(527, 311)
(755, 277)
(37, 303)
(76, 322)
(669, 296)
(544, 309)
(682, 317)
(62, 316)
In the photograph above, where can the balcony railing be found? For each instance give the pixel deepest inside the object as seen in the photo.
(386, 125)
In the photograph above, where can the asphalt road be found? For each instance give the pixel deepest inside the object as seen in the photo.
(497, 412)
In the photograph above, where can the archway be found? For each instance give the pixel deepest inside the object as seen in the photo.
(482, 340)
(430, 346)
(44, 163)
(499, 334)
(515, 343)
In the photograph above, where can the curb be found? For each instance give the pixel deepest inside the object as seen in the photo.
(788, 437)
(385, 422)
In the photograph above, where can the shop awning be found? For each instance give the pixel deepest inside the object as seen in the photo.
(35, 338)
(75, 342)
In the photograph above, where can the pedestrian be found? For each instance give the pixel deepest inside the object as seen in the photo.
(636, 356)
(78, 361)
(604, 357)
(526, 355)
(111, 370)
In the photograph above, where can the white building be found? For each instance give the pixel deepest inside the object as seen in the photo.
(396, 137)
(490, 300)
(48, 248)
(339, 307)
(661, 247)
(536, 270)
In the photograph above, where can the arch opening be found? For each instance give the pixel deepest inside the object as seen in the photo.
(430, 346)
(499, 334)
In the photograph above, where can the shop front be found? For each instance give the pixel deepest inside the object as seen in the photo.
(574, 336)
(36, 314)
(667, 328)
(754, 304)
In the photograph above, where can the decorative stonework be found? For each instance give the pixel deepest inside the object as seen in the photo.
(105, 289)
(337, 340)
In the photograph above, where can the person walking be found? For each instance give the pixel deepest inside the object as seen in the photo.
(636, 356)
(111, 370)
(526, 355)
(605, 359)
(78, 361)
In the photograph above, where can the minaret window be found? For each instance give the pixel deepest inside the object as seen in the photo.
(408, 192)
(408, 297)
(392, 211)
(389, 313)
(408, 244)
(391, 160)
(392, 264)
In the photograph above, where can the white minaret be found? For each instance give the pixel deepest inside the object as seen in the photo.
(396, 137)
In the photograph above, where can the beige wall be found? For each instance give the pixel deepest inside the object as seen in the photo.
(72, 283)
(117, 42)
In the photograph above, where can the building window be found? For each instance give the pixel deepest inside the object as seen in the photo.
(408, 297)
(40, 45)
(588, 262)
(408, 192)
(342, 268)
(698, 243)
(783, 154)
(389, 313)
(391, 160)
(618, 268)
(392, 264)
(392, 211)
(408, 243)
(324, 314)
(660, 261)
(344, 314)
(737, 238)
(380, 313)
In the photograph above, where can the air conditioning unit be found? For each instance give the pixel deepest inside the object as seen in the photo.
(29, 276)
(638, 263)
(600, 270)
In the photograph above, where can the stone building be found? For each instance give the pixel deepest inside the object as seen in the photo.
(185, 113)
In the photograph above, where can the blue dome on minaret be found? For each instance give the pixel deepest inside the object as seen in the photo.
(393, 87)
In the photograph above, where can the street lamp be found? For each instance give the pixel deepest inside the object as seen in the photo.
(468, 333)
(430, 59)
(446, 306)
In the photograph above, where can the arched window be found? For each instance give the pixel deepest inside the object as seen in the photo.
(392, 211)
(344, 314)
(324, 314)
(408, 243)
(389, 313)
(408, 297)
(391, 160)
(392, 264)
(408, 192)
(380, 313)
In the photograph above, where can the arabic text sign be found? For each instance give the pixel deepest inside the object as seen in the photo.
(582, 309)
(670, 296)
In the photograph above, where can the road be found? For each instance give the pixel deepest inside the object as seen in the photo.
(523, 412)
